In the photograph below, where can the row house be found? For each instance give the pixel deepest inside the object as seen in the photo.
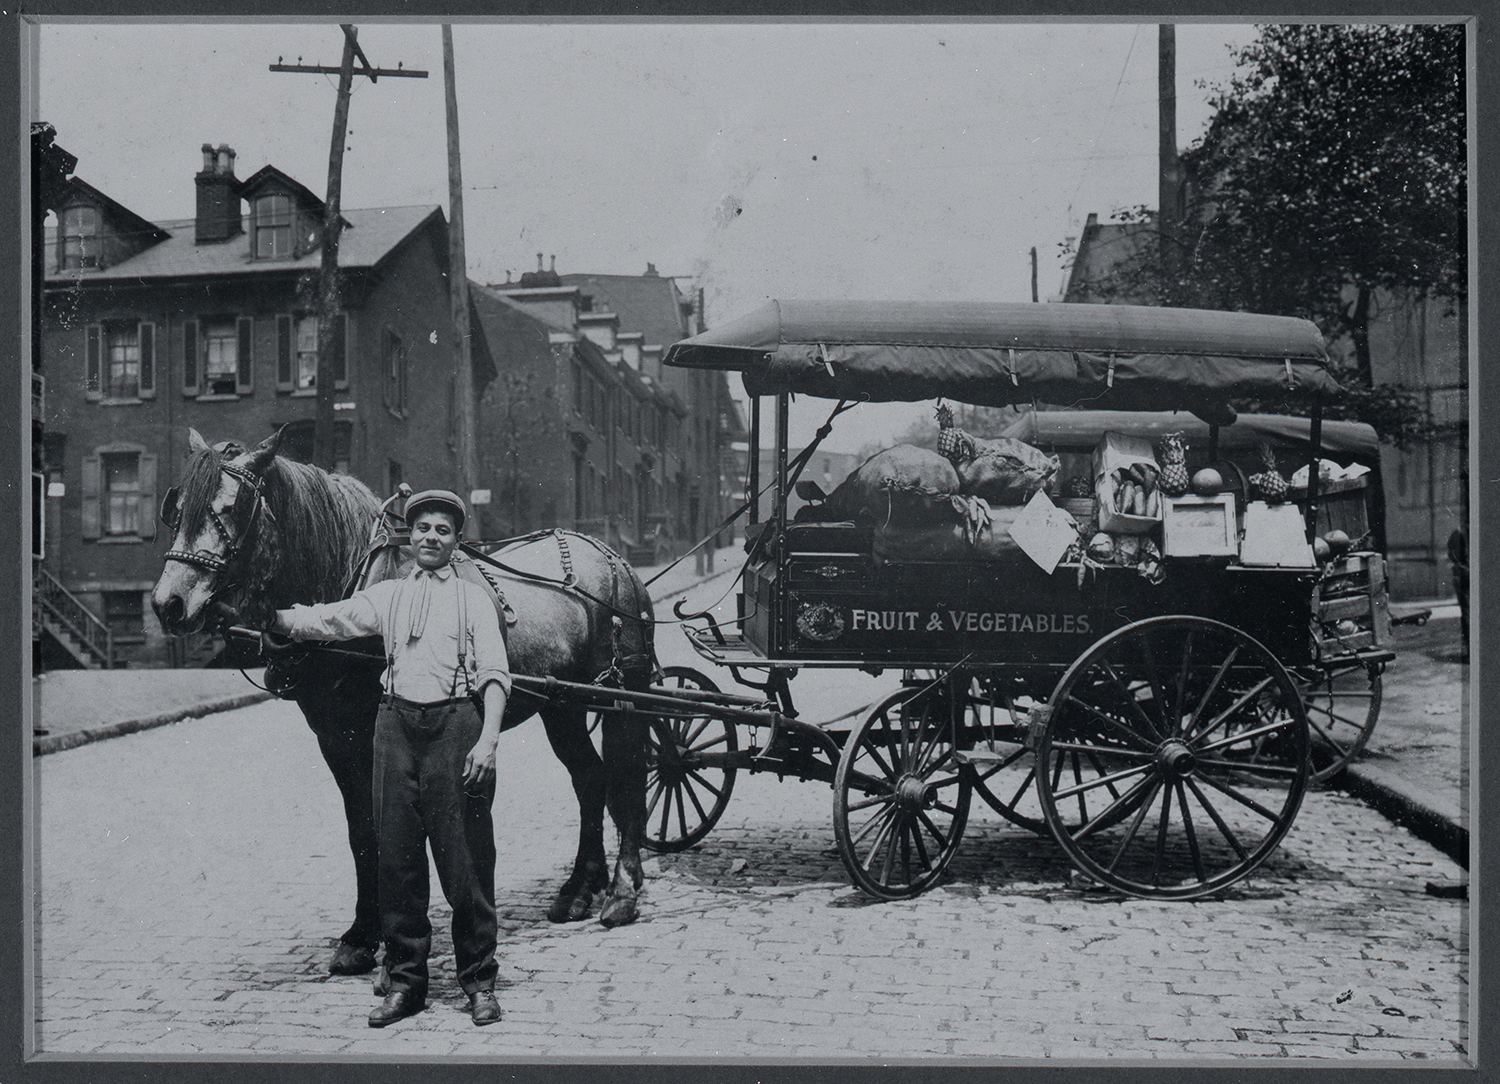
(641, 454)
(154, 327)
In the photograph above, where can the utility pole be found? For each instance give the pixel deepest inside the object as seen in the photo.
(1035, 297)
(458, 290)
(1169, 171)
(329, 300)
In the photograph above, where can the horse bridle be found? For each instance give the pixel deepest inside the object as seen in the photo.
(230, 533)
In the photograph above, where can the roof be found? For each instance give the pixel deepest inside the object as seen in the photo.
(372, 236)
(123, 217)
(1084, 428)
(644, 303)
(1119, 356)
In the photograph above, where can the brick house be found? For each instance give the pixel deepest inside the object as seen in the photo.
(637, 455)
(207, 322)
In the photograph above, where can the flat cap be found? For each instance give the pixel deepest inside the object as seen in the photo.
(442, 500)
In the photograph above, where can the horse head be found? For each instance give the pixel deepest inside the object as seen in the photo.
(216, 518)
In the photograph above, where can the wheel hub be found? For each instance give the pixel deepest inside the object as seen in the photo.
(1176, 760)
(911, 793)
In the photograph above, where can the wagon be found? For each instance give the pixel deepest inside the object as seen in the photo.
(1160, 718)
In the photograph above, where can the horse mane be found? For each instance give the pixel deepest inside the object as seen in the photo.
(305, 550)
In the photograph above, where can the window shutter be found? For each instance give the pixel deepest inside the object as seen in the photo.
(284, 331)
(341, 350)
(145, 509)
(244, 380)
(93, 342)
(93, 483)
(148, 359)
(190, 357)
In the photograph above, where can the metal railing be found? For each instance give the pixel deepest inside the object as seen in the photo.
(57, 602)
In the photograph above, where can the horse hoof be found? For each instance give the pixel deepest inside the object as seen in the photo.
(619, 911)
(351, 960)
(570, 908)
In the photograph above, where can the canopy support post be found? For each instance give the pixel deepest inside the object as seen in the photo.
(1314, 438)
(753, 491)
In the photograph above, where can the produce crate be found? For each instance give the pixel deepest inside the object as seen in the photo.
(1342, 506)
(1116, 451)
(1351, 612)
(1194, 526)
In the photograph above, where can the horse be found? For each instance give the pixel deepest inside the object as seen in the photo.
(253, 532)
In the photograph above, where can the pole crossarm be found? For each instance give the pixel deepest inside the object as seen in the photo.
(323, 69)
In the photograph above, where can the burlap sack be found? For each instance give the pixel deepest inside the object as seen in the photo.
(1002, 470)
(904, 486)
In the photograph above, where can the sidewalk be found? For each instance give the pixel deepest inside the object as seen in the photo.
(1415, 769)
(76, 707)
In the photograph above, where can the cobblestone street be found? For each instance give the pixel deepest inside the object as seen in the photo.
(192, 876)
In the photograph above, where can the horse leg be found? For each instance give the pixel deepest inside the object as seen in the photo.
(567, 731)
(344, 726)
(625, 767)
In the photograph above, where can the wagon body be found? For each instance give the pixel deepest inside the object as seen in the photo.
(1156, 725)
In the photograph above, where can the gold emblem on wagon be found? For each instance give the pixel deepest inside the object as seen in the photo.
(820, 621)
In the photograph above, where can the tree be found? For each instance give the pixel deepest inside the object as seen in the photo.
(1334, 167)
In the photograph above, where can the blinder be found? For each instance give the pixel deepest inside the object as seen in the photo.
(171, 510)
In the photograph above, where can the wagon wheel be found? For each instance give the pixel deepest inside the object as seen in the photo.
(900, 797)
(688, 782)
(1202, 734)
(1004, 769)
(1342, 698)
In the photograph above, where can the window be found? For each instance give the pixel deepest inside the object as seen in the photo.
(124, 614)
(394, 476)
(393, 364)
(119, 494)
(120, 360)
(78, 239)
(297, 352)
(272, 224)
(218, 356)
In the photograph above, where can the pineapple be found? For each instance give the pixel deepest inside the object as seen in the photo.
(1173, 455)
(950, 443)
(1268, 483)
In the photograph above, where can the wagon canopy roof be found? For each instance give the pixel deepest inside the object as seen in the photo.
(1082, 429)
(1126, 357)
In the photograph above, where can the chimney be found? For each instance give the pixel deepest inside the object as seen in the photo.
(218, 196)
(650, 270)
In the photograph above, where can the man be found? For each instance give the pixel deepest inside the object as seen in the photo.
(434, 755)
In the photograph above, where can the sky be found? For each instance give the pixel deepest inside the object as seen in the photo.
(901, 160)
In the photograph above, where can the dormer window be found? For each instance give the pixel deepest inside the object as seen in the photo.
(79, 239)
(273, 226)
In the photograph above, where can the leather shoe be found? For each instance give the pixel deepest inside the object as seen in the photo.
(483, 1007)
(397, 1005)
(351, 960)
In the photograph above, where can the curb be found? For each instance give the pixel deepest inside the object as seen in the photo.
(1388, 795)
(56, 743)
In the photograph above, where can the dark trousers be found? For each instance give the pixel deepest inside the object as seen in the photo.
(420, 798)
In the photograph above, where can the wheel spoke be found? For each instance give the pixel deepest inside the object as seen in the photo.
(1249, 767)
(1242, 736)
(1162, 823)
(1130, 699)
(1112, 750)
(1211, 691)
(1102, 781)
(1233, 708)
(1135, 824)
(1244, 800)
(1104, 818)
(1192, 836)
(1112, 723)
(1224, 829)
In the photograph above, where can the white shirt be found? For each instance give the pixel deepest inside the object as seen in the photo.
(422, 640)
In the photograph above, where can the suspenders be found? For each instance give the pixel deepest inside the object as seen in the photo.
(467, 665)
